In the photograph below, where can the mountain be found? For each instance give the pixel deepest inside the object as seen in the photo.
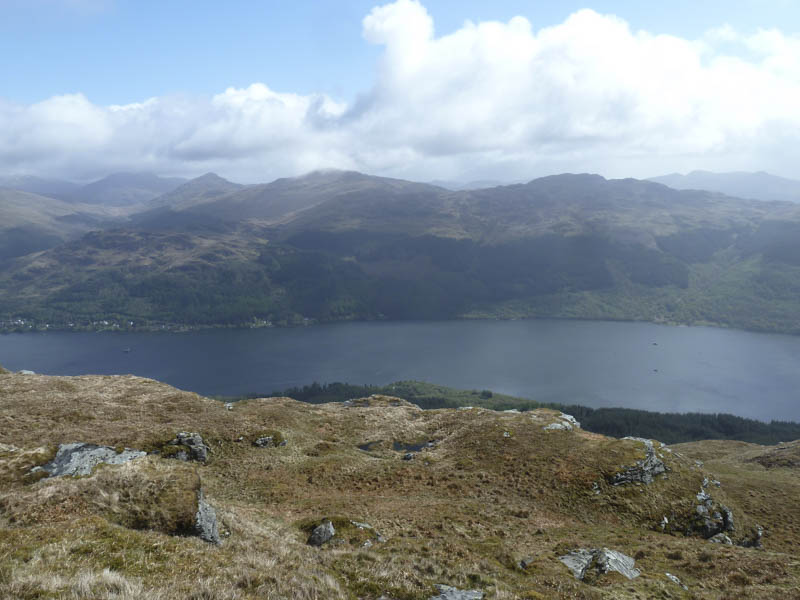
(30, 223)
(283, 199)
(343, 245)
(494, 504)
(758, 186)
(53, 188)
(123, 189)
(200, 190)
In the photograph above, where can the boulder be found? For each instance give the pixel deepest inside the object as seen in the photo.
(205, 521)
(602, 560)
(644, 470)
(322, 533)
(187, 446)
(80, 459)
(447, 592)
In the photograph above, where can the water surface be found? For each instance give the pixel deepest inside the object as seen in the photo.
(594, 363)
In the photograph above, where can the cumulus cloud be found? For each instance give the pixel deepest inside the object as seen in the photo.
(490, 100)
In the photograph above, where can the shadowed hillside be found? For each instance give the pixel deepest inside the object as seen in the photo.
(342, 245)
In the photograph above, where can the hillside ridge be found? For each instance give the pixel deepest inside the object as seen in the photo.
(487, 502)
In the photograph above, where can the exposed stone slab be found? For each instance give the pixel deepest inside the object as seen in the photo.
(604, 560)
(205, 521)
(447, 592)
(80, 459)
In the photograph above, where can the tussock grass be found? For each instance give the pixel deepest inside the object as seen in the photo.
(493, 489)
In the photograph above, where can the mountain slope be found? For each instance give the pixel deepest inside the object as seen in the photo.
(53, 188)
(339, 245)
(124, 189)
(475, 499)
(759, 186)
(29, 222)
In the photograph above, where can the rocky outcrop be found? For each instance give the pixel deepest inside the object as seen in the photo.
(447, 592)
(186, 446)
(205, 521)
(563, 422)
(322, 533)
(645, 470)
(600, 560)
(711, 520)
(80, 459)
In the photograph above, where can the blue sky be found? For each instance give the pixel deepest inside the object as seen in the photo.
(261, 89)
(120, 51)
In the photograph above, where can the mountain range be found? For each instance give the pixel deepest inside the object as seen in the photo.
(758, 186)
(335, 245)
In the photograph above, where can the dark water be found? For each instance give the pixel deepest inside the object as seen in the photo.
(636, 365)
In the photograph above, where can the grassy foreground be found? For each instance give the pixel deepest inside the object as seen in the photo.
(495, 488)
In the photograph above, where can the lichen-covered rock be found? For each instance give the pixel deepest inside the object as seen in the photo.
(644, 470)
(187, 446)
(603, 560)
(322, 533)
(80, 459)
(205, 521)
(447, 592)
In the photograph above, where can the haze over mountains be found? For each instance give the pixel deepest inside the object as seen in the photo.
(758, 186)
(334, 245)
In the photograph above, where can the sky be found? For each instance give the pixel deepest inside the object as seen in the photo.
(430, 90)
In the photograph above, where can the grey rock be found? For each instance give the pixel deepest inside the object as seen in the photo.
(603, 560)
(675, 580)
(79, 459)
(727, 519)
(565, 422)
(409, 456)
(265, 441)
(525, 563)
(611, 560)
(721, 538)
(359, 525)
(193, 447)
(644, 470)
(205, 521)
(322, 533)
(578, 561)
(753, 541)
(447, 592)
(27, 372)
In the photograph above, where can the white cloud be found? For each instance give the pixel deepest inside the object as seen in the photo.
(492, 99)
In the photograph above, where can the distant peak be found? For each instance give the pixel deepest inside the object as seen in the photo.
(209, 177)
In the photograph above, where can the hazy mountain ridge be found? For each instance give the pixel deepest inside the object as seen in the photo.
(758, 186)
(342, 245)
(30, 222)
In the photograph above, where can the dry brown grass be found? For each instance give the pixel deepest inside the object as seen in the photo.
(493, 489)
